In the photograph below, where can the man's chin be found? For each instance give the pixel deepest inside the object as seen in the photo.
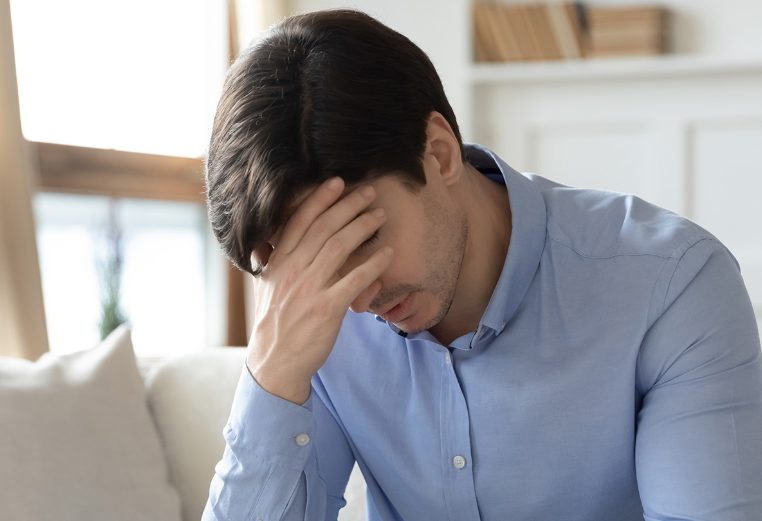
(417, 322)
(421, 318)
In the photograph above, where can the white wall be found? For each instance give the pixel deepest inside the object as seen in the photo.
(439, 27)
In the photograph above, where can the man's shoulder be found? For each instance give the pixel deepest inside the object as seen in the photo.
(603, 224)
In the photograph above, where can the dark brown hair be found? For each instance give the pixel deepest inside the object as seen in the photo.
(328, 93)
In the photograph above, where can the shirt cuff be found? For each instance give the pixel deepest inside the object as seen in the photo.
(265, 425)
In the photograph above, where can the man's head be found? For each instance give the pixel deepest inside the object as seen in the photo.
(329, 93)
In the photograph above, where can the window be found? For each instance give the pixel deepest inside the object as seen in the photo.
(139, 76)
(168, 277)
(134, 75)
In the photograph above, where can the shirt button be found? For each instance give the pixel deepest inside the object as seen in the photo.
(302, 439)
(459, 462)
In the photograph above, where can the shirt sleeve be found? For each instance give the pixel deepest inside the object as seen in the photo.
(270, 466)
(699, 434)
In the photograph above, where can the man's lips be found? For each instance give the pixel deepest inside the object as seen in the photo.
(400, 311)
(388, 309)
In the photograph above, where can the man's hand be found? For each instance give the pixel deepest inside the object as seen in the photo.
(300, 299)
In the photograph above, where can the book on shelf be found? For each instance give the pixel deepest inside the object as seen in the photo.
(567, 27)
(634, 41)
(536, 31)
(615, 31)
(645, 13)
(518, 22)
(495, 40)
(544, 37)
(557, 29)
(507, 41)
(484, 49)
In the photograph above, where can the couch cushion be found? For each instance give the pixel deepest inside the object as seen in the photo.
(77, 441)
(190, 396)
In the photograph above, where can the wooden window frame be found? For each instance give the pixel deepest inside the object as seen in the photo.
(115, 173)
(93, 171)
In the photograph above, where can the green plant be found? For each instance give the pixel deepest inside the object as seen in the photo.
(110, 274)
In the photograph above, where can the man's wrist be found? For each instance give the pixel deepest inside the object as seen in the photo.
(294, 390)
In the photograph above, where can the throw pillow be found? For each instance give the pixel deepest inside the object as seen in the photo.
(77, 442)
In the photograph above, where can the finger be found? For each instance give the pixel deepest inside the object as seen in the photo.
(349, 287)
(315, 204)
(363, 300)
(333, 221)
(337, 249)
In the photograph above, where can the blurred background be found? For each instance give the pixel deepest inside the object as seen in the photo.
(107, 109)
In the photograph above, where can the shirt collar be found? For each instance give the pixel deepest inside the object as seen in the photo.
(528, 219)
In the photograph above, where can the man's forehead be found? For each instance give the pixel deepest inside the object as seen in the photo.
(302, 196)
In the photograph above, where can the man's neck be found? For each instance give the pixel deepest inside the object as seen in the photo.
(489, 224)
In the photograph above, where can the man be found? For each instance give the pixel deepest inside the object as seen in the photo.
(515, 349)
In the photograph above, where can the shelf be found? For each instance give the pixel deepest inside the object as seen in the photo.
(664, 66)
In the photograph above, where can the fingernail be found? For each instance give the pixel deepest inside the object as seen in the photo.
(379, 212)
(334, 183)
(367, 191)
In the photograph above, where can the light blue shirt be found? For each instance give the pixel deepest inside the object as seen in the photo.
(615, 375)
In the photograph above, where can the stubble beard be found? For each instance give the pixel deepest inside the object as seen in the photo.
(443, 282)
(448, 261)
(444, 251)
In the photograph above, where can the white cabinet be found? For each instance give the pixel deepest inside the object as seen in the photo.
(682, 132)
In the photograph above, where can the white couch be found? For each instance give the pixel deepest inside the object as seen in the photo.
(89, 437)
(189, 398)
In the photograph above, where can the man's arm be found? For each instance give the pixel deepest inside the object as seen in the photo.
(699, 437)
(282, 461)
(278, 432)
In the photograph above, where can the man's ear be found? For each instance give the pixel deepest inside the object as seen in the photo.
(442, 149)
(260, 255)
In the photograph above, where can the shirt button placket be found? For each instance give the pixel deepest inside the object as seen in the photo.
(460, 497)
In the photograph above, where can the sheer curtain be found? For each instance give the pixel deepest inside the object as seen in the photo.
(23, 330)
